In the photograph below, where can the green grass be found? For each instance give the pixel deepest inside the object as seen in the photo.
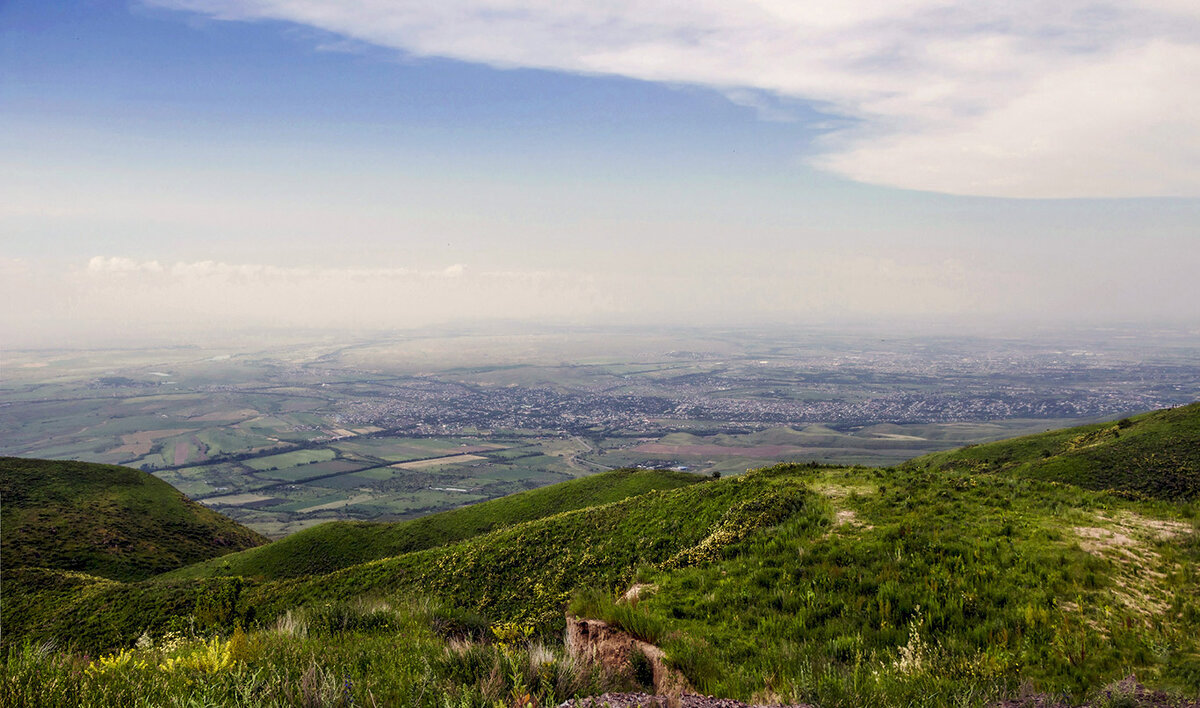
(316, 497)
(106, 520)
(314, 469)
(981, 582)
(340, 544)
(519, 573)
(1156, 454)
(526, 572)
(398, 449)
(341, 655)
(956, 581)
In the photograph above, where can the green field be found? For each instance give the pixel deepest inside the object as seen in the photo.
(308, 470)
(378, 474)
(1154, 455)
(290, 459)
(336, 545)
(398, 449)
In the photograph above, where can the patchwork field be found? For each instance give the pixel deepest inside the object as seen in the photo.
(386, 428)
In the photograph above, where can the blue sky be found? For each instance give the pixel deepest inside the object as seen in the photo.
(379, 164)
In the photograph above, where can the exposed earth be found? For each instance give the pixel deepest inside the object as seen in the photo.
(645, 700)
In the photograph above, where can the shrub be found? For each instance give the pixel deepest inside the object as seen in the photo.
(341, 617)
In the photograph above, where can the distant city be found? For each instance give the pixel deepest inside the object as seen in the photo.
(288, 435)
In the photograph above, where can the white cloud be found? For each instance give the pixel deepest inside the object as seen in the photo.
(1019, 99)
(196, 270)
(121, 265)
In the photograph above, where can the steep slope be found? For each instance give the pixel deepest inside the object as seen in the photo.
(336, 545)
(1156, 454)
(109, 521)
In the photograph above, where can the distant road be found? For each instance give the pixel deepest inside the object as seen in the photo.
(576, 457)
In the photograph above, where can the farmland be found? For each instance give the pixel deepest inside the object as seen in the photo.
(287, 435)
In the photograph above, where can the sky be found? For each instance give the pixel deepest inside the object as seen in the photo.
(174, 168)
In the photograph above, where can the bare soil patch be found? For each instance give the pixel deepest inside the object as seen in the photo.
(646, 700)
(140, 443)
(1127, 540)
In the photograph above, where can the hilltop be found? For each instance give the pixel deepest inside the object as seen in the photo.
(1156, 454)
(104, 520)
(960, 579)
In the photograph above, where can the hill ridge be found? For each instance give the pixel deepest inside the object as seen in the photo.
(106, 520)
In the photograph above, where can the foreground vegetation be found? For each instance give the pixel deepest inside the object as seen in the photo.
(915, 587)
(522, 573)
(956, 580)
(344, 654)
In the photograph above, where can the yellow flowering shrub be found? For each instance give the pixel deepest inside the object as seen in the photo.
(209, 657)
(115, 662)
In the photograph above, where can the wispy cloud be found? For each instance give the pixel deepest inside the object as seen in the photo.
(120, 265)
(1078, 98)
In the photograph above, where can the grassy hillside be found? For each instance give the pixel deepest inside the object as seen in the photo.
(521, 573)
(940, 588)
(1156, 454)
(340, 656)
(336, 545)
(942, 583)
(105, 520)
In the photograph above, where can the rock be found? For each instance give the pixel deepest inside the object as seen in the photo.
(645, 700)
(591, 641)
(636, 591)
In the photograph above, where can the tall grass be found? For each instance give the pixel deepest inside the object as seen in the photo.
(953, 587)
(355, 654)
(592, 603)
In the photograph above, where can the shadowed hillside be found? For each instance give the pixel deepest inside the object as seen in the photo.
(109, 521)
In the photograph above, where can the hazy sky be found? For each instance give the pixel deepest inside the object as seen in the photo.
(177, 166)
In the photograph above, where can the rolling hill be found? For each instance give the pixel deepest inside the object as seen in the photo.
(1156, 454)
(1057, 563)
(336, 545)
(104, 520)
